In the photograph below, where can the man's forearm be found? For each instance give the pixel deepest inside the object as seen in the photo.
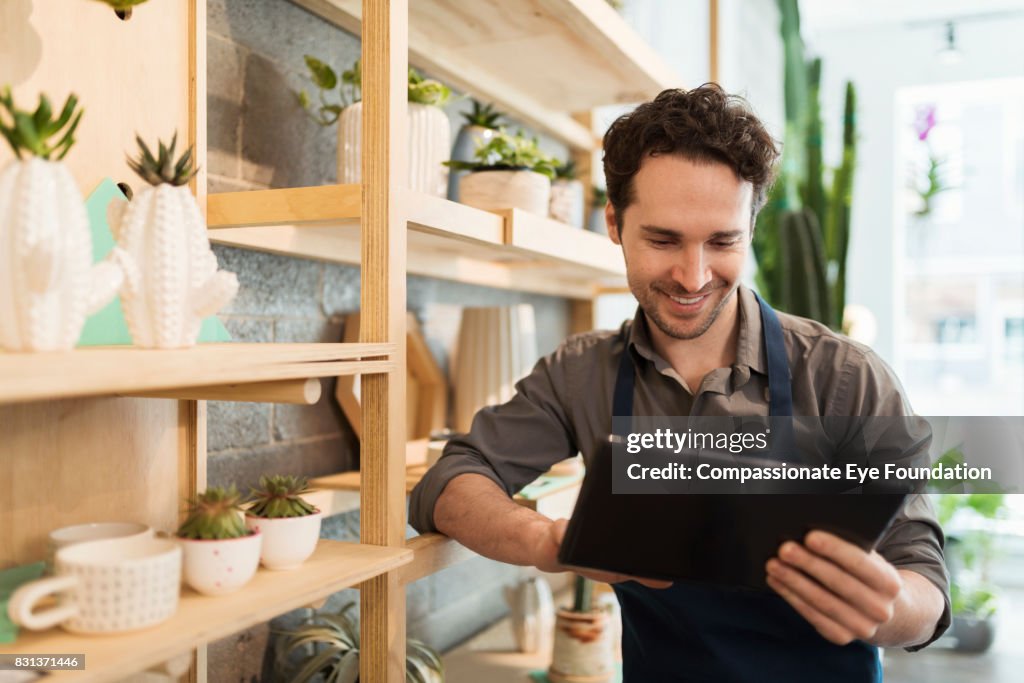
(477, 513)
(915, 614)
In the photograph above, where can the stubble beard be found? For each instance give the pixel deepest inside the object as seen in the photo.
(649, 303)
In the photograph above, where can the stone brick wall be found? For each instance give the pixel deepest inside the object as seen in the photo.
(260, 138)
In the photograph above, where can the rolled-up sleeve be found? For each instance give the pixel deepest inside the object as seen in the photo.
(511, 444)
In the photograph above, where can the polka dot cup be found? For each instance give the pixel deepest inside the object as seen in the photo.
(216, 567)
(106, 586)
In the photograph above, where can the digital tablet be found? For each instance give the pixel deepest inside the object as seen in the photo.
(720, 539)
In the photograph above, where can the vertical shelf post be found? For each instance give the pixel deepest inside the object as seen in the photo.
(382, 277)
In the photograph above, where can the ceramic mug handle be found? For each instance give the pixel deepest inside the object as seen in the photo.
(27, 596)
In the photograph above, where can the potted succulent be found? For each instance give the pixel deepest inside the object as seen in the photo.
(428, 128)
(220, 554)
(290, 526)
(507, 172)
(49, 282)
(566, 196)
(329, 645)
(584, 645)
(123, 8)
(596, 222)
(171, 276)
(481, 124)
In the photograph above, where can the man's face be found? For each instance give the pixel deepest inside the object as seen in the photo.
(685, 239)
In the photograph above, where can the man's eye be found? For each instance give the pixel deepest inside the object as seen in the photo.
(659, 243)
(724, 243)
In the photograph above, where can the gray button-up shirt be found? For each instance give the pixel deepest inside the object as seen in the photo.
(564, 406)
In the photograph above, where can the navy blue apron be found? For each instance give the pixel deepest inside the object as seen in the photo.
(692, 632)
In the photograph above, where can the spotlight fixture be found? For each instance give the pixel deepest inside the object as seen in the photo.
(950, 54)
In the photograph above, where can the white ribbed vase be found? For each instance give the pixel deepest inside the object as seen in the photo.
(567, 202)
(430, 144)
(505, 189)
(171, 277)
(497, 346)
(48, 283)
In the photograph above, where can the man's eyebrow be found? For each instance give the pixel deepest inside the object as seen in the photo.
(668, 232)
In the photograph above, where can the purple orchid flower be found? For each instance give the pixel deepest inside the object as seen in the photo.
(924, 121)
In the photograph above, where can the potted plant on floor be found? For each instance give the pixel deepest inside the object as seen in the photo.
(583, 649)
(429, 130)
(290, 525)
(974, 598)
(46, 273)
(328, 645)
(220, 554)
(171, 278)
(567, 196)
(507, 172)
(480, 126)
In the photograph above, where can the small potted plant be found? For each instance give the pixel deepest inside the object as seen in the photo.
(596, 222)
(482, 122)
(507, 172)
(47, 274)
(583, 648)
(290, 525)
(428, 127)
(566, 196)
(220, 554)
(328, 645)
(171, 276)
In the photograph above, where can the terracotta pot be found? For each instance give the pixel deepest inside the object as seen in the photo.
(583, 650)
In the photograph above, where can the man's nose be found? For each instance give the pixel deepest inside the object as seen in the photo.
(692, 271)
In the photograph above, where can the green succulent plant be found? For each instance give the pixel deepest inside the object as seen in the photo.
(508, 152)
(214, 514)
(566, 171)
(600, 197)
(163, 168)
(280, 496)
(483, 115)
(325, 112)
(33, 133)
(334, 641)
(122, 4)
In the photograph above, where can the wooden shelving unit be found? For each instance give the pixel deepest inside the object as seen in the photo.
(202, 619)
(81, 442)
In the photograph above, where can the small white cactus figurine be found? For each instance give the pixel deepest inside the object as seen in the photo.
(171, 277)
(48, 283)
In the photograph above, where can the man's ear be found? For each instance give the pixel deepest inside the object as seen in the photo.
(611, 224)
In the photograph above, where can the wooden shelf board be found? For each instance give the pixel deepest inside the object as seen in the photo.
(118, 370)
(450, 241)
(292, 205)
(522, 54)
(201, 619)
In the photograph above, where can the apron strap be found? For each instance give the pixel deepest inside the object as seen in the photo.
(622, 398)
(780, 389)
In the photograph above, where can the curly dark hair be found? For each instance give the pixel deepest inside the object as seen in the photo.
(704, 124)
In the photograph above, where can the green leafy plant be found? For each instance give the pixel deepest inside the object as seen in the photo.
(280, 496)
(599, 197)
(163, 168)
(325, 112)
(33, 132)
(122, 4)
(214, 514)
(566, 171)
(509, 153)
(329, 644)
(483, 115)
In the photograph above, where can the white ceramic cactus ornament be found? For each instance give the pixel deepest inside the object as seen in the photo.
(171, 277)
(48, 283)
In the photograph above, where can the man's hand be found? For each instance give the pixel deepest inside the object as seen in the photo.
(844, 592)
(546, 559)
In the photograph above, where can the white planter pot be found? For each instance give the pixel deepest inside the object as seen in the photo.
(429, 146)
(171, 277)
(464, 149)
(498, 190)
(216, 567)
(567, 202)
(583, 648)
(48, 283)
(497, 346)
(287, 541)
(532, 613)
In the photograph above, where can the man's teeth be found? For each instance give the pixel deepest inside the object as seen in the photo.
(681, 300)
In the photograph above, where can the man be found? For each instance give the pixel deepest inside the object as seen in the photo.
(687, 174)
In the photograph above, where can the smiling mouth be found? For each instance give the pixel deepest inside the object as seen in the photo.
(686, 300)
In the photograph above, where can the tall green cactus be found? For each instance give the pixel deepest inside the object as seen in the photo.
(802, 234)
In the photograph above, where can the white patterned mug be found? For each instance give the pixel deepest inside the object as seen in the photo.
(105, 586)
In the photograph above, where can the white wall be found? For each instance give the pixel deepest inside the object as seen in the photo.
(880, 59)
